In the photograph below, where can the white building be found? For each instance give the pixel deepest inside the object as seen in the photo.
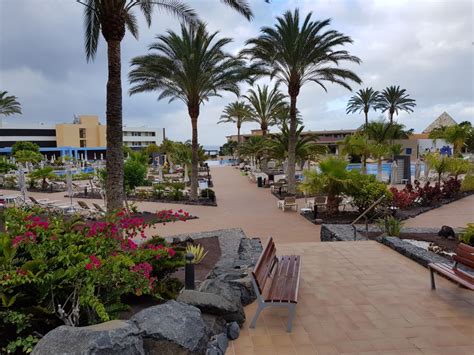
(137, 137)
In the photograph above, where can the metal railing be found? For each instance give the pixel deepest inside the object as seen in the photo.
(364, 215)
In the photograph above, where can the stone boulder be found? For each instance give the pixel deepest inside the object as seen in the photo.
(173, 328)
(114, 337)
(218, 345)
(233, 331)
(214, 304)
(215, 324)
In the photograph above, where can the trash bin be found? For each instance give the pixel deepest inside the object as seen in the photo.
(260, 181)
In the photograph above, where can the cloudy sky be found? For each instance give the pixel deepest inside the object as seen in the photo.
(425, 46)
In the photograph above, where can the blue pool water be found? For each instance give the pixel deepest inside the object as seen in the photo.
(88, 169)
(386, 168)
(223, 162)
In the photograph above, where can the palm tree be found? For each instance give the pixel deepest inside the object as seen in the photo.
(236, 112)
(333, 179)
(378, 151)
(357, 145)
(381, 131)
(283, 117)
(456, 135)
(9, 105)
(190, 66)
(363, 101)
(306, 147)
(296, 54)
(113, 18)
(393, 99)
(256, 147)
(267, 105)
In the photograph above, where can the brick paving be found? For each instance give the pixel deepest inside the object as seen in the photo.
(363, 298)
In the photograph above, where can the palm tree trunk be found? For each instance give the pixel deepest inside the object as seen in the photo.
(292, 147)
(238, 134)
(366, 121)
(114, 162)
(333, 204)
(194, 158)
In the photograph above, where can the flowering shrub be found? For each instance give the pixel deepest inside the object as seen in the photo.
(428, 194)
(405, 198)
(55, 270)
(451, 188)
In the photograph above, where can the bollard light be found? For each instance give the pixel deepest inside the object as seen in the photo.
(189, 272)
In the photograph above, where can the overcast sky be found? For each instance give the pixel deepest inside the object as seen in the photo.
(425, 46)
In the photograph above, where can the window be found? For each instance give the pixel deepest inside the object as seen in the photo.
(408, 151)
(83, 143)
(82, 133)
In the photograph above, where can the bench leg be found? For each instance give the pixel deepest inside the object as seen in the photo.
(433, 285)
(291, 316)
(257, 314)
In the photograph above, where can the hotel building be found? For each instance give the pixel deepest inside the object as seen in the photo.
(85, 135)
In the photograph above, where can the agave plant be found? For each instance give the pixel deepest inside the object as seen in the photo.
(198, 252)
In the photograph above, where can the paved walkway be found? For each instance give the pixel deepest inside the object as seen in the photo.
(455, 214)
(363, 298)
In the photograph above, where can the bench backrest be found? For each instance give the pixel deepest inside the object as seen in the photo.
(320, 200)
(264, 265)
(290, 199)
(464, 255)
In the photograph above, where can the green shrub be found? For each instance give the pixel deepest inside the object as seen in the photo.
(134, 173)
(390, 225)
(365, 190)
(208, 193)
(49, 265)
(468, 183)
(158, 191)
(467, 235)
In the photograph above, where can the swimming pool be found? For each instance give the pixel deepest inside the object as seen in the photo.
(222, 162)
(386, 168)
(88, 169)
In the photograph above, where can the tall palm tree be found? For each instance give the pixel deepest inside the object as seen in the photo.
(363, 101)
(381, 131)
(112, 18)
(297, 53)
(9, 105)
(236, 112)
(190, 66)
(266, 104)
(393, 99)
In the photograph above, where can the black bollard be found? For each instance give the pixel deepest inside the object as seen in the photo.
(85, 190)
(315, 212)
(189, 272)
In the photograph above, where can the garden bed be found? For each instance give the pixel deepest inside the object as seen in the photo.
(200, 202)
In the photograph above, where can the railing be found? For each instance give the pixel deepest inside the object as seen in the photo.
(364, 215)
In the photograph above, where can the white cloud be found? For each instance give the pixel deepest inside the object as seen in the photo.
(424, 46)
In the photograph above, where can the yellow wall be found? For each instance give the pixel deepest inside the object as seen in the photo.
(68, 135)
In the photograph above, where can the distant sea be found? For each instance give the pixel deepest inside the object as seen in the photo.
(211, 147)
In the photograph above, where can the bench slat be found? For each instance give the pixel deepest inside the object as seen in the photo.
(455, 275)
(264, 265)
(285, 281)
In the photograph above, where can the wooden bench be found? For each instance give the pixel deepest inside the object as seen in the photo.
(276, 281)
(464, 256)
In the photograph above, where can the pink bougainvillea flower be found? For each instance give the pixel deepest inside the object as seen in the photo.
(171, 252)
(17, 240)
(21, 272)
(89, 266)
(128, 244)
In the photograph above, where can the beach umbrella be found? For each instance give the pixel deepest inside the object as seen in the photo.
(95, 156)
(41, 164)
(101, 156)
(160, 172)
(426, 171)
(417, 169)
(70, 191)
(171, 168)
(22, 182)
(394, 173)
(379, 172)
(186, 177)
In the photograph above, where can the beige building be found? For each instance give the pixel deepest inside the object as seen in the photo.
(84, 132)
